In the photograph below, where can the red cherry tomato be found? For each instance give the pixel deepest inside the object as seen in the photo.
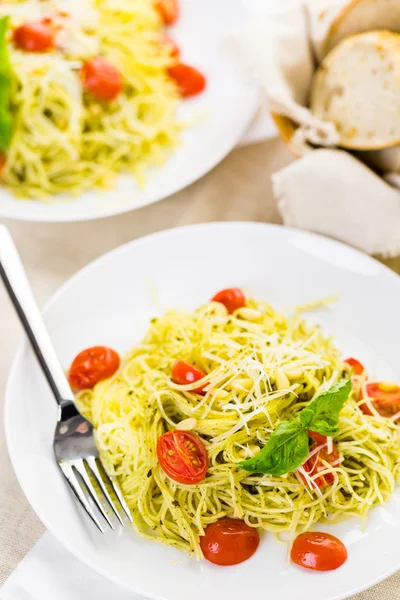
(2, 161)
(231, 298)
(318, 551)
(171, 45)
(358, 368)
(91, 366)
(315, 464)
(317, 437)
(188, 79)
(36, 36)
(385, 398)
(182, 456)
(183, 374)
(168, 10)
(229, 542)
(101, 78)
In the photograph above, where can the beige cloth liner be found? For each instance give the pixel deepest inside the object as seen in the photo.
(328, 191)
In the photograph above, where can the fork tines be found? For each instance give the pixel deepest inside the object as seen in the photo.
(81, 475)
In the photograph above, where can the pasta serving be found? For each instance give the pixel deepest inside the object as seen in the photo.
(89, 89)
(232, 375)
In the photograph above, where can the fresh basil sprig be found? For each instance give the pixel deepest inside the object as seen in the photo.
(5, 86)
(287, 447)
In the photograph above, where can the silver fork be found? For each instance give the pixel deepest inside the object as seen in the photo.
(74, 446)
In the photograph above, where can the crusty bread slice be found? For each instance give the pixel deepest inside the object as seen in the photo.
(363, 15)
(357, 87)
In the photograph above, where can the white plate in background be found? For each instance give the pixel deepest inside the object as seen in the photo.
(111, 301)
(220, 117)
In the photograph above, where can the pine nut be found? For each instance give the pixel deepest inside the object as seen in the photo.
(249, 314)
(294, 373)
(249, 452)
(187, 424)
(219, 309)
(222, 394)
(282, 382)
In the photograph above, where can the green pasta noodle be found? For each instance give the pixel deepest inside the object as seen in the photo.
(243, 356)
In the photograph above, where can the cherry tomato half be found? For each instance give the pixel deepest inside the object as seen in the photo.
(358, 368)
(101, 78)
(182, 456)
(35, 36)
(188, 79)
(231, 298)
(183, 374)
(168, 10)
(318, 551)
(91, 366)
(317, 437)
(229, 542)
(385, 397)
(315, 464)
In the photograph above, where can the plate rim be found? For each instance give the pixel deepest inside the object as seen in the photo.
(70, 281)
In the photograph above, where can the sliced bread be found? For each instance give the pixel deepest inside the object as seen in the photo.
(363, 15)
(357, 87)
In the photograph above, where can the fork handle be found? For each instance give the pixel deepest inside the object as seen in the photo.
(14, 277)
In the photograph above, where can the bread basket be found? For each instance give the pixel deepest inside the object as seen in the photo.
(286, 129)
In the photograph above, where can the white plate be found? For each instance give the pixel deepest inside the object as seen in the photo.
(219, 117)
(110, 302)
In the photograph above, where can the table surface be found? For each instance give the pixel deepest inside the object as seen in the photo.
(239, 189)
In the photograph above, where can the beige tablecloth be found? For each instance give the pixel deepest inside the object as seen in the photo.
(238, 189)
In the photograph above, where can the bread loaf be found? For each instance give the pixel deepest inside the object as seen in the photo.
(357, 87)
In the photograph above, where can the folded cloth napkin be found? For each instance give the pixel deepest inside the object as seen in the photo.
(332, 192)
(50, 572)
(328, 191)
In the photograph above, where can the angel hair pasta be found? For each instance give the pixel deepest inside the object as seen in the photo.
(252, 372)
(91, 94)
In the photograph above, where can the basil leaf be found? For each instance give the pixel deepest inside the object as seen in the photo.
(5, 86)
(306, 416)
(326, 408)
(286, 449)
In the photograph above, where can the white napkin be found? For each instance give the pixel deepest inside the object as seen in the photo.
(50, 572)
(328, 191)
